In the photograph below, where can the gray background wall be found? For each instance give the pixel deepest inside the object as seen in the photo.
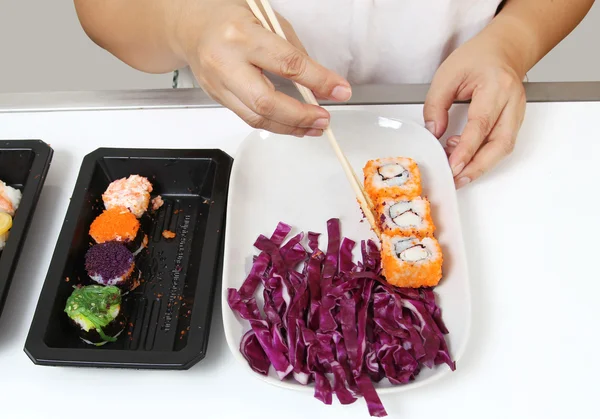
(43, 48)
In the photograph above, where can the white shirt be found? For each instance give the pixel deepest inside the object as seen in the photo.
(381, 41)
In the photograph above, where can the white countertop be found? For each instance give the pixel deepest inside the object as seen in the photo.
(531, 229)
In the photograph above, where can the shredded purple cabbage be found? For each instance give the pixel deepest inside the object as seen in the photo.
(334, 322)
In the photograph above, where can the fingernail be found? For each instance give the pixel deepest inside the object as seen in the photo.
(341, 93)
(430, 125)
(457, 169)
(314, 132)
(462, 182)
(321, 123)
(452, 142)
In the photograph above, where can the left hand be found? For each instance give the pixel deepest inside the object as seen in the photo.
(481, 71)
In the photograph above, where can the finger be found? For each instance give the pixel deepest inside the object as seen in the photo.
(453, 141)
(231, 101)
(248, 84)
(278, 56)
(290, 33)
(451, 144)
(439, 99)
(485, 108)
(500, 143)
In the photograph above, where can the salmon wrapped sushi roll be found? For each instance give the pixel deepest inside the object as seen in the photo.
(392, 178)
(10, 198)
(409, 218)
(409, 262)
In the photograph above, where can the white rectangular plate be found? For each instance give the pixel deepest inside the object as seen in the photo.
(299, 181)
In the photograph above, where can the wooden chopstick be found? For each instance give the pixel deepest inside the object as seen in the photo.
(309, 97)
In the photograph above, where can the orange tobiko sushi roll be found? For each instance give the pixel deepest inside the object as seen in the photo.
(409, 218)
(115, 224)
(392, 178)
(409, 262)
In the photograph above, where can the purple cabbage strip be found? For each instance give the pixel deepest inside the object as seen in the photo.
(335, 322)
(254, 354)
(323, 390)
(248, 310)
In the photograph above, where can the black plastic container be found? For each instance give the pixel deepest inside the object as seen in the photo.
(24, 165)
(169, 313)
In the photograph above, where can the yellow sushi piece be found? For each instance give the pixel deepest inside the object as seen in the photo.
(5, 226)
(5, 222)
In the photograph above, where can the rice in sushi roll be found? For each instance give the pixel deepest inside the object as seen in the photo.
(110, 263)
(392, 178)
(96, 313)
(132, 193)
(411, 262)
(406, 217)
(10, 198)
(5, 226)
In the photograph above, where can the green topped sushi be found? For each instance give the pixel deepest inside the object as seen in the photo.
(96, 312)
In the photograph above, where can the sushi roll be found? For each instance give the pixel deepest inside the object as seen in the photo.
(110, 263)
(97, 314)
(406, 217)
(132, 193)
(120, 225)
(10, 198)
(392, 178)
(5, 226)
(409, 262)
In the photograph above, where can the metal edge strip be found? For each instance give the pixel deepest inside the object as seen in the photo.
(375, 94)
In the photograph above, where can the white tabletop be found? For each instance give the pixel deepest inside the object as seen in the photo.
(531, 229)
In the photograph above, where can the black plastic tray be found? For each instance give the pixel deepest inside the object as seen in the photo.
(170, 312)
(24, 165)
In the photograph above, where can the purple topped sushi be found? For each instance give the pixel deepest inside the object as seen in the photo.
(110, 263)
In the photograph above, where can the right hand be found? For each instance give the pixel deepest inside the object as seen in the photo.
(227, 49)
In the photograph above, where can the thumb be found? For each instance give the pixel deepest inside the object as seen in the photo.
(441, 95)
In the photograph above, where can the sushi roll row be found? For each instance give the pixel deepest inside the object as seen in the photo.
(410, 255)
(95, 310)
(10, 198)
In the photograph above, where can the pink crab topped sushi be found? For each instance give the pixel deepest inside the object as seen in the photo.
(132, 193)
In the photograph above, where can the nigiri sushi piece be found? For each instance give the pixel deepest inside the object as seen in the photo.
(5, 226)
(96, 313)
(132, 193)
(110, 263)
(411, 262)
(392, 178)
(10, 198)
(406, 217)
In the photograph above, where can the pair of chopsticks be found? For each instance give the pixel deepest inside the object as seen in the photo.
(308, 96)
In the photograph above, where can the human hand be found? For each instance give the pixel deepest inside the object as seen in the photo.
(228, 50)
(482, 71)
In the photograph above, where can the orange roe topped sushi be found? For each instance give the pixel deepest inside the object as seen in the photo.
(115, 224)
